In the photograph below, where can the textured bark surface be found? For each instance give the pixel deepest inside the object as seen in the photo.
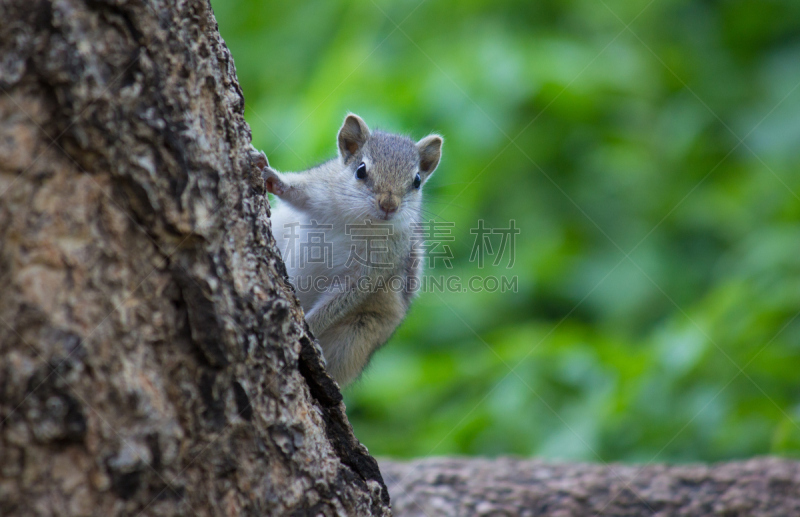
(505, 487)
(153, 359)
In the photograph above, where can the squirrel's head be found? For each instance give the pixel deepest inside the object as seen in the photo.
(382, 174)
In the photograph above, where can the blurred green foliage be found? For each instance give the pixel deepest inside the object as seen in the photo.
(653, 172)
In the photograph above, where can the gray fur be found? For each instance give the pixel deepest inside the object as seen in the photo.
(351, 324)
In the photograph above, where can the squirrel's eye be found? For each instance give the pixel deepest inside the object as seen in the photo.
(417, 181)
(361, 171)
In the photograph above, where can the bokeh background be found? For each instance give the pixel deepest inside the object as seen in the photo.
(648, 152)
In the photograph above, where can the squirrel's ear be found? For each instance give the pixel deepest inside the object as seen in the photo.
(352, 136)
(430, 151)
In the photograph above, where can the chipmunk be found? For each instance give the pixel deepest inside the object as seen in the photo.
(346, 230)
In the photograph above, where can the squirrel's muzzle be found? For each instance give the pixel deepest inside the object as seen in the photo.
(388, 203)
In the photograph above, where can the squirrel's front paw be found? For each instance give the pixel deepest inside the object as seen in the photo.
(273, 181)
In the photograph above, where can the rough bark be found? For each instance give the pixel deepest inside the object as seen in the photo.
(471, 487)
(153, 358)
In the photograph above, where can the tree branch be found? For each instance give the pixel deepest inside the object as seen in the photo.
(471, 487)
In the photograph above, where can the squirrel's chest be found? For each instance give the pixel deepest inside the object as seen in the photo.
(316, 250)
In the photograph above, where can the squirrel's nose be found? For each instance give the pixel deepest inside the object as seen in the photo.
(388, 204)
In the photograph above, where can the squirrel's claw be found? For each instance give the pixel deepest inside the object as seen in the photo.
(258, 159)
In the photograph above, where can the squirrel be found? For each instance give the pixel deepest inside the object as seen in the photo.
(347, 231)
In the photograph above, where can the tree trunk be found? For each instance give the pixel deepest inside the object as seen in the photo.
(505, 487)
(154, 359)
